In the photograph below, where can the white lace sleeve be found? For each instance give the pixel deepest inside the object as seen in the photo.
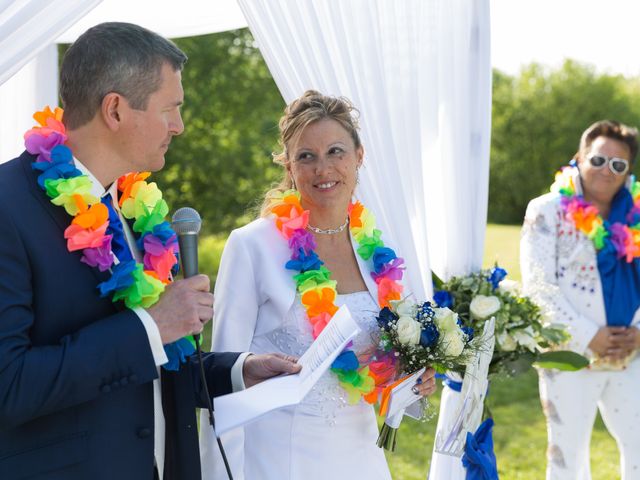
(539, 268)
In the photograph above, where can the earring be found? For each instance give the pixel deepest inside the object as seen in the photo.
(357, 176)
(293, 184)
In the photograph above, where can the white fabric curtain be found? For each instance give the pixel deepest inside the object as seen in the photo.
(28, 91)
(169, 18)
(29, 26)
(420, 73)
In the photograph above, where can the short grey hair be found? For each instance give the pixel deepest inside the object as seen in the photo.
(113, 57)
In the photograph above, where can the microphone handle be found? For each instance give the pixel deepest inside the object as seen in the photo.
(188, 243)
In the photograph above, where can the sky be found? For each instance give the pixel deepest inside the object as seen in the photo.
(603, 33)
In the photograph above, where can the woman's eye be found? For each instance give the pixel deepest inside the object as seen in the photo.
(336, 151)
(305, 157)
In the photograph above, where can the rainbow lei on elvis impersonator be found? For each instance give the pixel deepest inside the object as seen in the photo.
(137, 284)
(318, 291)
(624, 237)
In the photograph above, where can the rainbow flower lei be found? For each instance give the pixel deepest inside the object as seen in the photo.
(624, 237)
(318, 291)
(136, 284)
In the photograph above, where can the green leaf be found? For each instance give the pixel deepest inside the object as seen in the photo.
(437, 281)
(515, 364)
(564, 360)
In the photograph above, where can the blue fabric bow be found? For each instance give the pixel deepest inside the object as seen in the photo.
(479, 458)
(620, 279)
(450, 382)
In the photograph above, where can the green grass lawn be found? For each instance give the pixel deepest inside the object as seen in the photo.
(520, 430)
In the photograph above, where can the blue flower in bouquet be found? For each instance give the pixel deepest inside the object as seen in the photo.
(429, 335)
(468, 331)
(425, 311)
(497, 275)
(386, 317)
(443, 299)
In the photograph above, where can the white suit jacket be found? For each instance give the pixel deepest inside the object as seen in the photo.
(253, 294)
(560, 271)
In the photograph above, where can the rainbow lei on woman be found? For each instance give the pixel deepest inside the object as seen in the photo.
(318, 292)
(137, 284)
(624, 237)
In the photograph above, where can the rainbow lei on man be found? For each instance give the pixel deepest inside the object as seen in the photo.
(624, 237)
(136, 284)
(318, 292)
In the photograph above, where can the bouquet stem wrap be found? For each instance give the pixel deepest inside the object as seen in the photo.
(389, 431)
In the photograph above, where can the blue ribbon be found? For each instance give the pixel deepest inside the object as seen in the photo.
(479, 458)
(449, 382)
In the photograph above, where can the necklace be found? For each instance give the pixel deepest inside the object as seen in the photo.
(318, 292)
(623, 237)
(329, 231)
(136, 284)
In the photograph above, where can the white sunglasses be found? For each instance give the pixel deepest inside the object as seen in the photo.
(618, 166)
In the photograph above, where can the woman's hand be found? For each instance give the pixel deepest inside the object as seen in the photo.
(426, 383)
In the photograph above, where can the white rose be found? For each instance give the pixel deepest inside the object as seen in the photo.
(453, 343)
(483, 307)
(506, 342)
(525, 338)
(509, 286)
(446, 320)
(408, 331)
(403, 308)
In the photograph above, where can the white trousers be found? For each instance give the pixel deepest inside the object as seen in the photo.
(570, 401)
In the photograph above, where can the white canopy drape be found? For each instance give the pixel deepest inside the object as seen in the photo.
(420, 74)
(30, 28)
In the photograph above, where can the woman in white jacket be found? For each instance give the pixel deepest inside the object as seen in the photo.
(272, 293)
(580, 259)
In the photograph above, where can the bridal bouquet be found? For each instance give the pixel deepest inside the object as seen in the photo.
(421, 335)
(522, 336)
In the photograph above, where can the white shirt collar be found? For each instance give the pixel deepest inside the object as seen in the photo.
(96, 187)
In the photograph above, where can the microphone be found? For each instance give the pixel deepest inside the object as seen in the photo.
(186, 222)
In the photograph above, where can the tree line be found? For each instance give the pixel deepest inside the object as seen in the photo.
(222, 164)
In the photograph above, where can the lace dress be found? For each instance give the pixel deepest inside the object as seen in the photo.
(323, 437)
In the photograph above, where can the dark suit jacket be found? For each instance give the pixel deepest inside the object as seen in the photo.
(76, 370)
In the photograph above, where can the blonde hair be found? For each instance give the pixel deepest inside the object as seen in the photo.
(311, 107)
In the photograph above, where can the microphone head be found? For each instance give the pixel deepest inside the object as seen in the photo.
(186, 221)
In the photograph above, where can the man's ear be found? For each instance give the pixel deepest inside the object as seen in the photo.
(111, 110)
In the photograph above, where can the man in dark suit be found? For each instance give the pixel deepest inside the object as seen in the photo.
(81, 396)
